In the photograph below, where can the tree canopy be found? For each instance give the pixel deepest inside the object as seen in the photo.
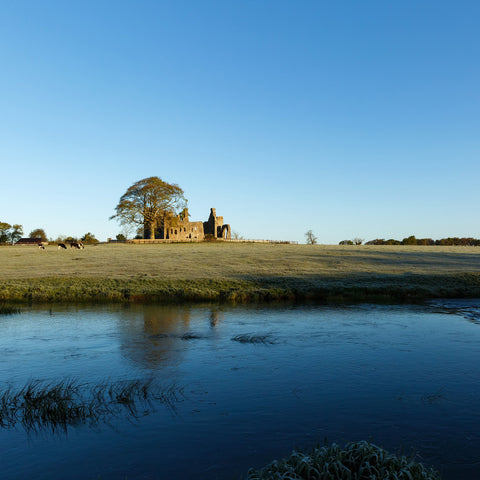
(10, 233)
(39, 233)
(16, 233)
(4, 232)
(89, 238)
(147, 202)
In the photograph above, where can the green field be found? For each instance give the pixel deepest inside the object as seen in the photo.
(237, 272)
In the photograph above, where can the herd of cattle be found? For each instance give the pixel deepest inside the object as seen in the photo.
(63, 246)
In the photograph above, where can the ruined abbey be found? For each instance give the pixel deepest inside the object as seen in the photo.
(180, 228)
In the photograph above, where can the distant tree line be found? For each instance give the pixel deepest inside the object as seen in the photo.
(355, 241)
(88, 238)
(10, 234)
(412, 240)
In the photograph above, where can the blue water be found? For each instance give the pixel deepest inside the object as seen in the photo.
(404, 377)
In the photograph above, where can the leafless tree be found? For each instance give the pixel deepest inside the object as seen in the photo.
(236, 236)
(310, 237)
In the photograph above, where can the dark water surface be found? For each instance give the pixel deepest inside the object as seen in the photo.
(400, 376)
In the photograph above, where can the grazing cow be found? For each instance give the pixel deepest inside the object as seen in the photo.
(78, 245)
(62, 245)
(41, 246)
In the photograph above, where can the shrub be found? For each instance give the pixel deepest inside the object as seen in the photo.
(89, 238)
(360, 461)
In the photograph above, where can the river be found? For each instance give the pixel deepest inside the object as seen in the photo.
(254, 382)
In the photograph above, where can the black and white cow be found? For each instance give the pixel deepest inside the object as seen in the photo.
(62, 245)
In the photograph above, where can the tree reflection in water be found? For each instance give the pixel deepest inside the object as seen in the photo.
(151, 335)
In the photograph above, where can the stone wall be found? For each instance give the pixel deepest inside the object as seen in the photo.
(183, 230)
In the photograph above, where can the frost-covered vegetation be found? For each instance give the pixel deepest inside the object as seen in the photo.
(355, 461)
(234, 272)
(62, 404)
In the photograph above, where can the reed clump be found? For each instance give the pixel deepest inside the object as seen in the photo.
(59, 405)
(355, 461)
(8, 310)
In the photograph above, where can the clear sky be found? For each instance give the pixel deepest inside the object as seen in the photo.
(350, 118)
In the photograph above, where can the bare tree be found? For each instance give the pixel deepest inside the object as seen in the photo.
(357, 241)
(310, 237)
(236, 236)
(128, 230)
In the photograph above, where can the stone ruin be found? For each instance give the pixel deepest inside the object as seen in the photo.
(180, 228)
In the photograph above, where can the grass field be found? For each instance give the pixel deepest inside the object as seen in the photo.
(237, 272)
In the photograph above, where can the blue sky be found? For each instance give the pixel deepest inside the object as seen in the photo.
(352, 118)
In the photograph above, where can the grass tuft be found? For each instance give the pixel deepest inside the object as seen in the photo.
(356, 461)
(5, 310)
(57, 406)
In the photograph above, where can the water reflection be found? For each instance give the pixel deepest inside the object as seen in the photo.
(150, 336)
(214, 318)
(146, 338)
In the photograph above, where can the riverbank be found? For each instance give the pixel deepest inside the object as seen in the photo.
(237, 273)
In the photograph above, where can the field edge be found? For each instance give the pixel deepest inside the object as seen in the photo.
(365, 288)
